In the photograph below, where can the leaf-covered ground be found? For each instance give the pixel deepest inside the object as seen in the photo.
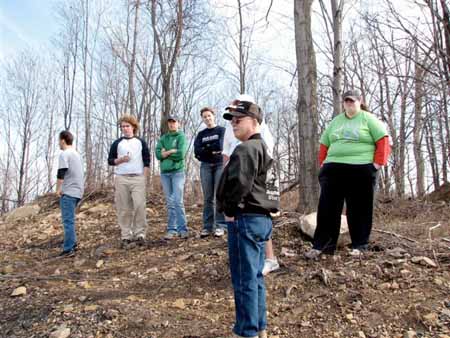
(182, 288)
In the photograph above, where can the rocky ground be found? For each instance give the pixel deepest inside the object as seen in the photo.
(182, 288)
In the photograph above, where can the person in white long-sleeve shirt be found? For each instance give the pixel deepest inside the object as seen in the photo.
(229, 144)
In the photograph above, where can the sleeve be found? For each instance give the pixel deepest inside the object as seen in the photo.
(61, 173)
(228, 140)
(158, 150)
(323, 151)
(382, 151)
(376, 127)
(241, 173)
(325, 138)
(145, 154)
(113, 152)
(63, 162)
(268, 138)
(181, 149)
(199, 152)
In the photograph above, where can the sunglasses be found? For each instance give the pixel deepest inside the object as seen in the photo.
(349, 100)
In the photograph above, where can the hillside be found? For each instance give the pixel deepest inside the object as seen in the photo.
(182, 288)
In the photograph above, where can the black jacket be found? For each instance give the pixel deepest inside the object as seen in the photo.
(249, 182)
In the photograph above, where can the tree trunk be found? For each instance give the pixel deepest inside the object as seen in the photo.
(131, 93)
(418, 129)
(338, 68)
(306, 106)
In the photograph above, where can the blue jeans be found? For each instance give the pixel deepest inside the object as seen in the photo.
(68, 204)
(210, 175)
(247, 237)
(173, 186)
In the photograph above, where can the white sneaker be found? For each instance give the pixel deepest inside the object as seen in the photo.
(355, 253)
(270, 265)
(219, 232)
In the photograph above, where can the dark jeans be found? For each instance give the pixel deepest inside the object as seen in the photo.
(354, 184)
(68, 204)
(247, 237)
(210, 175)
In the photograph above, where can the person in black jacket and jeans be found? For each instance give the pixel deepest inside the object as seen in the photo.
(208, 146)
(247, 194)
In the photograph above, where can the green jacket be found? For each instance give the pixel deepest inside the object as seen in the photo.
(172, 140)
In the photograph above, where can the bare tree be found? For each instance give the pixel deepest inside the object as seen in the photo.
(168, 37)
(306, 106)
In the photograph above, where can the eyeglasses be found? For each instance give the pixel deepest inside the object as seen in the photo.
(349, 100)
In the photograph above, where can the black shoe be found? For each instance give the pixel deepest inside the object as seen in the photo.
(67, 253)
(127, 244)
(140, 241)
(75, 247)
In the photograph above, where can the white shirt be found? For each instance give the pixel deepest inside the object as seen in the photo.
(230, 142)
(133, 148)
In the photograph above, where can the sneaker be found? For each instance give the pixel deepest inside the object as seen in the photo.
(140, 241)
(313, 254)
(184, 235)
(219, 232)
(270, 265)
(205, 233)
(170, 235)
(356, 252)
(67, 253)
(127, 244)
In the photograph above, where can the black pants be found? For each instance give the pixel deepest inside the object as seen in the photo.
(354, 183)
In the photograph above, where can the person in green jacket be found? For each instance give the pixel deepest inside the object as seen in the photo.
(171, 151)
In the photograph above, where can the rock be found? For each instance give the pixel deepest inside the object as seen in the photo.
(361, 334)
(23, 212)
(287, 252)
(431, 318)
(79, 262)
(60, 332)
(308, 226)
(349, 316)
(425, 261)
(384, 286)
(100, 263)
(396, 252)
(82, 298)
(20, 291)
(99, 208)
(84, 285)
(410, 334)
(68, 308)
(180, 304)
(91, 308)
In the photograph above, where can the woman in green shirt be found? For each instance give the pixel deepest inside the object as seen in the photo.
(353, 148)
(171, 151)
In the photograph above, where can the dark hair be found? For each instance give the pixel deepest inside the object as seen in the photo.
(207, 109)
(66, 136)
(364, 107)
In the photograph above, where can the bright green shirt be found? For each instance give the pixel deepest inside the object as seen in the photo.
(174, 162)
(352, 140)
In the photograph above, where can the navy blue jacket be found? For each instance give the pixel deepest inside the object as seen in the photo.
(208, 145)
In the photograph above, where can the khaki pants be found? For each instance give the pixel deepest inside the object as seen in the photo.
(130, 205)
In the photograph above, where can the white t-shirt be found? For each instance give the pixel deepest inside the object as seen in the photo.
(133, 148)
(230, 142)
